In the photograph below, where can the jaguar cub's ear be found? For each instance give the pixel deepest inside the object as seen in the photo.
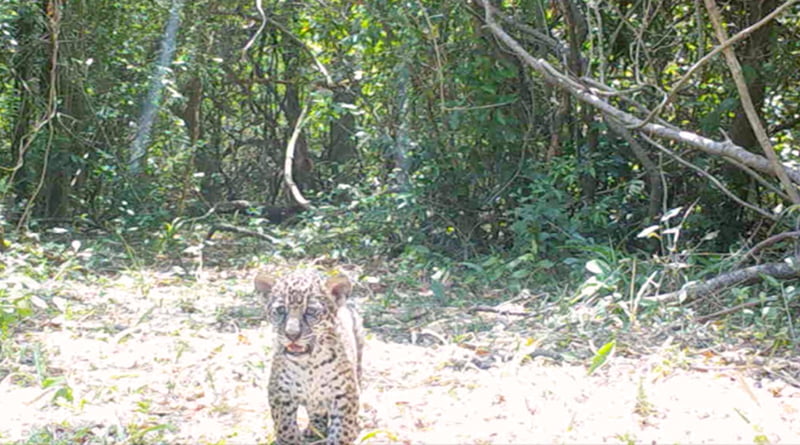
(339, 287)
(264, 282)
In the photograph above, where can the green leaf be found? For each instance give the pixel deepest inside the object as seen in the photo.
(374, 433)
(521, 273)
(602, 356)
(473, 266)
(649, 232)
(671, 214)
(596, 267)
(438, 291)
(65, 392)
(772, 281)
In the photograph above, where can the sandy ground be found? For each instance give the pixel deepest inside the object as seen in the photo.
(153, 359)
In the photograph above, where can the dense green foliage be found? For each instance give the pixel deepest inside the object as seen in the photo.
(427, 139)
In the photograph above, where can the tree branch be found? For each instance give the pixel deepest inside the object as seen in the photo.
(557, 79)
(770, 241)
(715, 181)
(723, 46)
(747, 102)
(266, 19)
(733, 309)
(289, 161)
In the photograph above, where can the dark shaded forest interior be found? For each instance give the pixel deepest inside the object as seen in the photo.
(557, 185)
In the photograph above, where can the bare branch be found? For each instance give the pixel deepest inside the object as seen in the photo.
(267, 19)
(555, 78)
(770, 241)
(555, 46)
(289, 162)
(722, 47)
(733, 309)
(713, 180)
(260, 29)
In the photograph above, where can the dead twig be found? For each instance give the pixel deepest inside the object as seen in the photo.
(733, 309)
(500, 311)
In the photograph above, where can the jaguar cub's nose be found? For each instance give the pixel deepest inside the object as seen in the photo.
(293, 330)
(292, 335)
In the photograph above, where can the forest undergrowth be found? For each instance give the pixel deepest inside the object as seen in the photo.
(567, 222)
(178, 352)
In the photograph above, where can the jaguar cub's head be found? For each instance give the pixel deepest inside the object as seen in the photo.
(302, 306)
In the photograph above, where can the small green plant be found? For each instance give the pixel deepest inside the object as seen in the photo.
(601, 357)
(153, 433)
(626, 438)
(62, 388)
(13, 309)
(61, 434)
(761, 439)
(643, 406)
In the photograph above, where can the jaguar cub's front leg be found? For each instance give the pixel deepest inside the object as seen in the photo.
(343, 428)
(317, 422)
(284, 417)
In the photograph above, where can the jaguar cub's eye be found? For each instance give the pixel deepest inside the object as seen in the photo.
(312, 312)
(279, 311)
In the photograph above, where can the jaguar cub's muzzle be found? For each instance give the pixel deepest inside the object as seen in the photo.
(297, 335)
(296, 339)
(294, 348)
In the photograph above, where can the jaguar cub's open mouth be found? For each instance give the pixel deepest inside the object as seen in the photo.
(295, 349)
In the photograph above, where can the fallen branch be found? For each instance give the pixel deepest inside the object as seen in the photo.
(274, 214)
(499, 311)
(748, 275)
(730, 310)
(241, 231)
(770, 241)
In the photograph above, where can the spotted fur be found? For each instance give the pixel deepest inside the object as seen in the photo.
(317, 356)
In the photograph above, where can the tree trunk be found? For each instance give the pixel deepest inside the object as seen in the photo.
(753, 54)
(342, 146)
(27, 83)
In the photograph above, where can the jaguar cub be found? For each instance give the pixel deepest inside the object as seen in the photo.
(317, 355)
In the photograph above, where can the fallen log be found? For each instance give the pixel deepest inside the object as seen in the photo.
(787, 269)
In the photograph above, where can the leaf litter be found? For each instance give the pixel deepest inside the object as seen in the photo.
(154, 358)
